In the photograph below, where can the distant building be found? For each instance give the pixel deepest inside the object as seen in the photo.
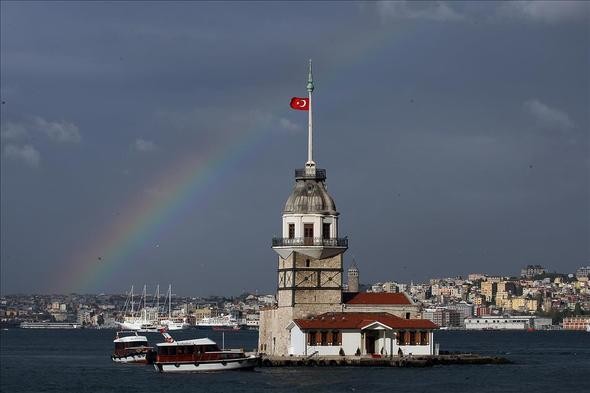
(464, 309)
(531, 271)
(489, 289)
(443, 316)
(499, 323)
(576, 323)
(542, 323)
(476, 276)
(481, 311)
(397, 304)
(390, 287)
(353, 278)
(583, 271)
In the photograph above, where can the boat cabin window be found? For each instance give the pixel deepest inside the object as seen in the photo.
(130, 344)
(167, 350)
(185, 349)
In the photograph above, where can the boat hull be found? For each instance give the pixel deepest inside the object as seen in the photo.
(246, 363)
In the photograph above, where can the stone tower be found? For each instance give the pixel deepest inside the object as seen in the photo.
(310, 255)
(353, 278)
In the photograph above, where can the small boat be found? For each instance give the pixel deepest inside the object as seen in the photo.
(130, 348)
(198, 355)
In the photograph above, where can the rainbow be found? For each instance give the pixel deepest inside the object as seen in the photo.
(151, 214)
(147, 216)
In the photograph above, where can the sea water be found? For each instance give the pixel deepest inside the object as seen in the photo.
(79, 361)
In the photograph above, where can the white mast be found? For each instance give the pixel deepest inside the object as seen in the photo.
(158, 298)
(169, 300)
(310, 163)
(132, 300)
(144, 296)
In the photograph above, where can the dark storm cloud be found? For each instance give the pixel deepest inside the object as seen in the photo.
(455, 134)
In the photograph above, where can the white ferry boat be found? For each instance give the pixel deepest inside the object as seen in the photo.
(174, 323)
(224, 322)
(130, 348)
(198, 355)
(49, 325)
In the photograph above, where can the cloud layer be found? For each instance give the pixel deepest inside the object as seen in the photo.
(27, 154)
(144, 146)
(548, 117)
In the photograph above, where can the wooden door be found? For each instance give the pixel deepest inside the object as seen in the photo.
(370, 343)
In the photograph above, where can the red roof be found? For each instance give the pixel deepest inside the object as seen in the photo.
(358, 320)
(378, 298)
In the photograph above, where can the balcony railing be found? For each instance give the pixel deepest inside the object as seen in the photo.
(308, 173)
(309, 241)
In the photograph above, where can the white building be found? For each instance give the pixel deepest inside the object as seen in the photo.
(500, 323)
(377, 334)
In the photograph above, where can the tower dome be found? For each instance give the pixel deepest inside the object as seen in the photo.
(309, 196)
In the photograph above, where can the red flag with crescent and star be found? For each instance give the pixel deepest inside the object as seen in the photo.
(301, 104)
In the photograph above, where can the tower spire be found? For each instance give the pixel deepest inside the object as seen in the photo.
(310, 164)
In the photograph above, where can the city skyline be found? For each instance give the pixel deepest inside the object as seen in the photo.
(155, 143)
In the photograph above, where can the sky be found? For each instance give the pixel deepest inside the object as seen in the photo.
(146, 143)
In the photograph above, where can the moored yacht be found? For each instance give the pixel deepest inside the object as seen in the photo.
(150, 319)
(201, 354)
(130, 347)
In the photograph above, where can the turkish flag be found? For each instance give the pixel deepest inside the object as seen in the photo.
(301, 104)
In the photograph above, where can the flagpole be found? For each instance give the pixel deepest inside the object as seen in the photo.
(310, 87)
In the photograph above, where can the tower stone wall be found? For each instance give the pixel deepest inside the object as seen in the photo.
(307, 287)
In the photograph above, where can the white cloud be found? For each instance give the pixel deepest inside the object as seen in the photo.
(429, 10)
(59, 131)
(26, 153)
(547, 116)
(546, 11)
(11, 130)
(144, 145)
(288, 125)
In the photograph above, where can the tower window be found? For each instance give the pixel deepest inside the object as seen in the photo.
(308, 234)
(291, 231)
(307, 263)
(326, 231)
